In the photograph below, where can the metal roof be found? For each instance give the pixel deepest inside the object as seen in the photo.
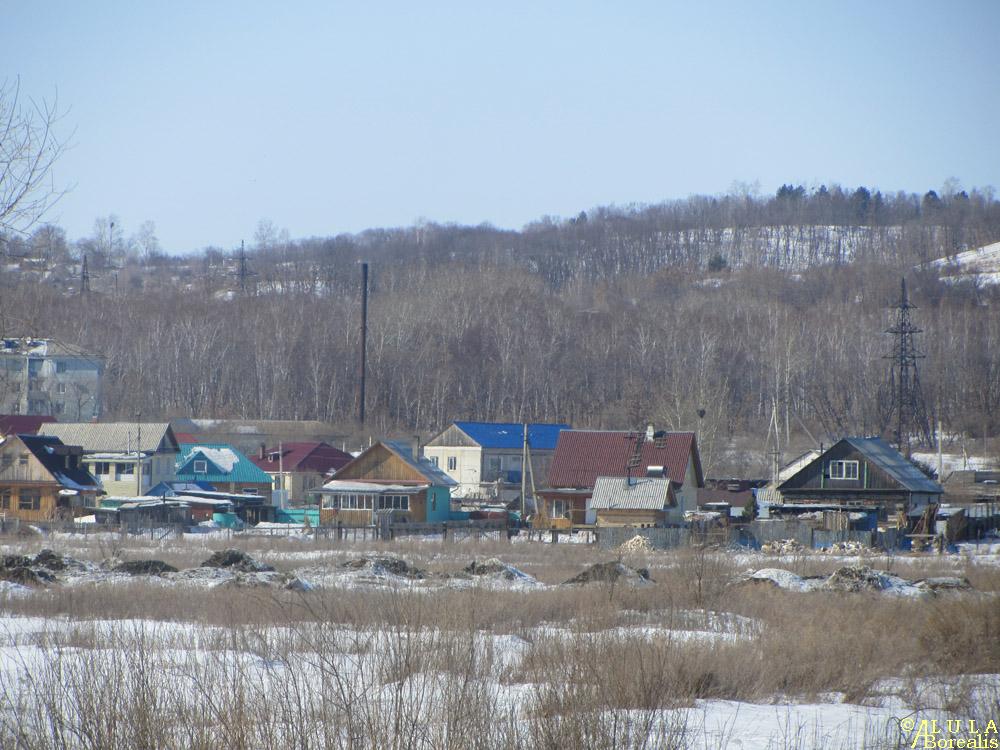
(423, 465)
(894, 463)
(583, 455)
(110, 437)
(618, 493)
(510, 435)
(233, 467)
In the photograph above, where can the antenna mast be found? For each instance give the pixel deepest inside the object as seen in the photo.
(908, 400)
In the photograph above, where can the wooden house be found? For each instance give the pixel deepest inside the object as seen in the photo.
(862, 472)
(582, 456)
(386, 478)
(41, 479)
(643, 501)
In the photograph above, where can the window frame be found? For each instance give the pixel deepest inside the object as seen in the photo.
(203, 463)
(842, 466)
(29, 498)
(452, 463)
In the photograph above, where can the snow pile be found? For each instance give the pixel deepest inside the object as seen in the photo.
(611, 572)
(638, 543)
(780, 578)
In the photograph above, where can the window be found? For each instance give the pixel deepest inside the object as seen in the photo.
(60, 387)
(5, 496)
(843, 470)
(560, 509)
(452, 463)
(434, 460)
(22, 460)
(124, 470)
(100, 468)
(59, 406)
(201, 467)
(249, 490)
(60, 367)
(147, 469)
(394, 502)
(29, 499)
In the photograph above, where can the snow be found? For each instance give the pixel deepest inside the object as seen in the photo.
(224, 458)
(956, 462)
(981, 264)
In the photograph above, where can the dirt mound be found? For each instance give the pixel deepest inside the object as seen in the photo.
(944, 584)
(638, 543)
(235, 559)
(611, 572)
(858, 578)
(496, 568)
(51, 560)
(145, 567)
(26, 575)
(386, 565)
(782, 547)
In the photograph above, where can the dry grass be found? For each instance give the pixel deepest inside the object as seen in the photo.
(596, 666)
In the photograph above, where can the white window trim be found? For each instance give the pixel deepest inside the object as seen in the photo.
(844, 474)
(201, 463)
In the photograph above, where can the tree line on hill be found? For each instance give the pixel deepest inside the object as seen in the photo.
(738, 316)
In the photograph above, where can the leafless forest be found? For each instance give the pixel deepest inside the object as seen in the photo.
(749, 310)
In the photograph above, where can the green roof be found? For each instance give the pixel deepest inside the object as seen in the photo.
(223, 463)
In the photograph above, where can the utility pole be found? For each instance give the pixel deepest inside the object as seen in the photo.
(138, 454)
(244, 273)
(363, 365)
(84, 277)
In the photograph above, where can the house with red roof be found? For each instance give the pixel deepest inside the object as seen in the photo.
(23, 424)
(299, 467)
(582, 456)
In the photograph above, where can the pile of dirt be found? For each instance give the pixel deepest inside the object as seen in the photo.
(25, 571)
(382, 565)
(782, 547)
(944, 584)
(144, 567)
(859, 578)
(638, 543)
(498, 569)
(611, 572)
(235, 559)
(849, 548)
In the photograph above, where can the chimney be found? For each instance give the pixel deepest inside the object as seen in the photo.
(263, 452)
(416, 447)
(650, 433)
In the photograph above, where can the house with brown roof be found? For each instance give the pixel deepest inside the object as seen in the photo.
(299, 467)
(41, 479)
(584, 455)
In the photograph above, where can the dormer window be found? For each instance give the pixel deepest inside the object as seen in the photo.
(201, 467)
(843, 470)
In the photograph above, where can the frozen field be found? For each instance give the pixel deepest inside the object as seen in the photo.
(115, 643)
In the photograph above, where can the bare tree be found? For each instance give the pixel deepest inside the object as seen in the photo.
(29, 148)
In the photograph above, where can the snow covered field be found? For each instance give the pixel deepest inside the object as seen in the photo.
(432, 645)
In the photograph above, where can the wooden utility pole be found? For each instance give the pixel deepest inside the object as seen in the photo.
(363, 365)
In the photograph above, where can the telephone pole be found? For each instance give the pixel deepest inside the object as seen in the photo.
(363, 364)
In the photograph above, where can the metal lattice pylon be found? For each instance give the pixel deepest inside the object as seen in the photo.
(908, 408)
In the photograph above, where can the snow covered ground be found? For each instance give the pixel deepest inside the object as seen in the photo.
(981, 264)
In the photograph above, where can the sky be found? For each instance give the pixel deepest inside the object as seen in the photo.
(324, 117)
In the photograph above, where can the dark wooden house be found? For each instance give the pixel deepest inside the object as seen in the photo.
(862, 472)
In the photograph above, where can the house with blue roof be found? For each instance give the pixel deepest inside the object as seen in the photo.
(484, 458)
(224, 468)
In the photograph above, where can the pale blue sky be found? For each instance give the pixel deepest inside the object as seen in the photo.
(326, 117)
